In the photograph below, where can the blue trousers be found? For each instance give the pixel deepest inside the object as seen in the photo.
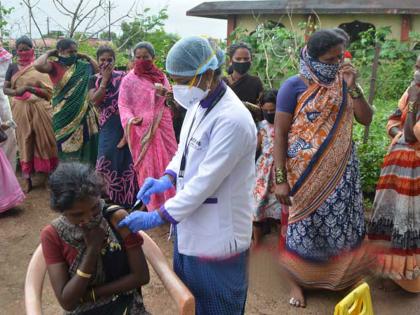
(219, 286)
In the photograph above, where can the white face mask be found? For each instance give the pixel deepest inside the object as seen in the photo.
(187, 96)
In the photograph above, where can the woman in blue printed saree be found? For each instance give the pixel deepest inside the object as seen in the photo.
(317, 171)
(75, 120)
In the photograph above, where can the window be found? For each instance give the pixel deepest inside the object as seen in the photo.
(355, 28)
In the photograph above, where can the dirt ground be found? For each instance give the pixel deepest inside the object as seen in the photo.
(19, 236)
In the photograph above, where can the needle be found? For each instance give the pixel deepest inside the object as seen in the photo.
(135, 205)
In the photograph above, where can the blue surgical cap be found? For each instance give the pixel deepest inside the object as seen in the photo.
(220, 55)
(191, 56)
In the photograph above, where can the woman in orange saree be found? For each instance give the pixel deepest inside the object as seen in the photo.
(395, 223)
(317, 172)
(147, 120)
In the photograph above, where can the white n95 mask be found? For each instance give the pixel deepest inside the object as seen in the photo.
(188, 96)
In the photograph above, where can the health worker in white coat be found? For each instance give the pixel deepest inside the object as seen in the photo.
(213, 171)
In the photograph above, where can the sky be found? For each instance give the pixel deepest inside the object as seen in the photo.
(178, 22)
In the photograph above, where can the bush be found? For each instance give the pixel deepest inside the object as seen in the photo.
(396, 62)
(371, 154)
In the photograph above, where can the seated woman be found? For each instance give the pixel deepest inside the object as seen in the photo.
(94, 267)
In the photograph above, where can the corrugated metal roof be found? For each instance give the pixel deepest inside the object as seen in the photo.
(222, 9)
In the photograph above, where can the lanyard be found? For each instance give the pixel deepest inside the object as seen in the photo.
(188, 139)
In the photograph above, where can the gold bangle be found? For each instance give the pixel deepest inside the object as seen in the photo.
(83, 275)
(281, 176)
(411, 107)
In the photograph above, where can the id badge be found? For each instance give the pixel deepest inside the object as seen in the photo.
(180, 183)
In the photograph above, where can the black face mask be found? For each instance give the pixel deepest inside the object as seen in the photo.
(269, 117)
(241, 67)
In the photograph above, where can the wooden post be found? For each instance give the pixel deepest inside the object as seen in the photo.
(373, 84)
(231, 25)
(405, 27)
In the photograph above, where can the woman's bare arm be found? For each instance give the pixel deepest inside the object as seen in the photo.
(139, 272)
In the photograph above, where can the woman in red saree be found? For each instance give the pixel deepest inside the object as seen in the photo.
(147, 120)
(395, 223)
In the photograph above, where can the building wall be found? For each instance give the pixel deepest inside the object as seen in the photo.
(415, 23)
(328, 21)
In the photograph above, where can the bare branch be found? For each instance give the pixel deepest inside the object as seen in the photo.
(104, 28)
(63, 7)
(30, 7)
(127, 15)
(86, 16)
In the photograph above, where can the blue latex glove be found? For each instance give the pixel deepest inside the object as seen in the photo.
(153, 186)
(140, 220)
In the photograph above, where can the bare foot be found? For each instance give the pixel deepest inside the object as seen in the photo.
(27, 186)
(297, 299)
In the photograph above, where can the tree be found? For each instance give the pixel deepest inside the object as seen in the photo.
(3, 23)
(30, 5)
(135, 31)
(89, 14)
(105, 36)
(79, 13)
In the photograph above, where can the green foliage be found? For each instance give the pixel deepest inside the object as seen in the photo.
(396, 61)
(275, 52)
(105, 36)
(135, 31)
(371, 154)
(3, 22)
(145, 27)
(162, 42)
(121, 58)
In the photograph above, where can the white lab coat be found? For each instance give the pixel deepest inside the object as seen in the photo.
(214, 206)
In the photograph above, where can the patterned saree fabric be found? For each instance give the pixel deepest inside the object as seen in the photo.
(395, 223)
(32, 114)
(325, 231)
(319, 146)
(152, 141)
(75, 120)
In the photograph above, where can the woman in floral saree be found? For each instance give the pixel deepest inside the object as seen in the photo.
(317, 171)
(114, 163)
(31, 94)
(147, 120)
(75, 120)
(395, 223)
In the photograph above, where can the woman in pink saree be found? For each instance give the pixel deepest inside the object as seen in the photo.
(147, 120)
